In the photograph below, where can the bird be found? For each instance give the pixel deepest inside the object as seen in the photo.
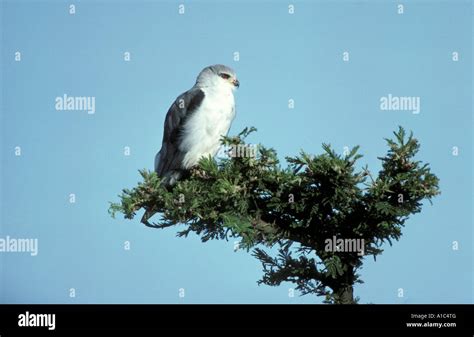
(195, 123)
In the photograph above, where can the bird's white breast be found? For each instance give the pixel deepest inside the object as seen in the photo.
(211, 121)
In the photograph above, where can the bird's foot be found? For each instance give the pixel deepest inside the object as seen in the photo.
(197, 172)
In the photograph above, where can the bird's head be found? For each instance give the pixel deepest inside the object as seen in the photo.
(218, 75)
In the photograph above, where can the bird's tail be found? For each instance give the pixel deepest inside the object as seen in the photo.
(169, 177)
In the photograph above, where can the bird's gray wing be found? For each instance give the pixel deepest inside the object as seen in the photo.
(169, 158)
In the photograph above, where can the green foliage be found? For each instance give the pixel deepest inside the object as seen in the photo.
(296, 209)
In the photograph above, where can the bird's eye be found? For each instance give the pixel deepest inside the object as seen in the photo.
(224, 76)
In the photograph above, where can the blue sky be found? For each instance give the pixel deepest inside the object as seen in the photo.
(281, 57)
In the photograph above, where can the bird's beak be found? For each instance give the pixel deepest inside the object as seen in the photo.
(236, 83)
